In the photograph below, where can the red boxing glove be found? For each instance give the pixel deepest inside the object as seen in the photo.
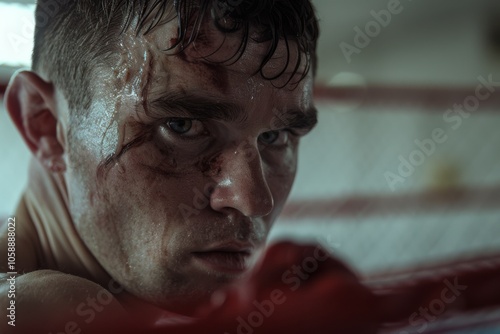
(294, 289)
(303, 289)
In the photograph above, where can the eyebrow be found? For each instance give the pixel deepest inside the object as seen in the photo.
(201, 107)
(296, 119)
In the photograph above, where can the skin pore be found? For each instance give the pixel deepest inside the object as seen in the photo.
(180, 156)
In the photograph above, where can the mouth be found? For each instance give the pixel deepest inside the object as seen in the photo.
(231, 259)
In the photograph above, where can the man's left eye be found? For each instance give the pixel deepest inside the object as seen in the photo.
(275, 138)
(186, 126)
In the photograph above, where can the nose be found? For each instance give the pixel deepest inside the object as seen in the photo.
(242, 185)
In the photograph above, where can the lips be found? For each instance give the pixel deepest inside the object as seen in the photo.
(229, 258)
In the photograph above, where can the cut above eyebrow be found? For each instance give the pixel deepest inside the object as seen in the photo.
(200, 107)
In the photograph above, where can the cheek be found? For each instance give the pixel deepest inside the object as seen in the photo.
(156, 182)
(83, 159)
(127, 213)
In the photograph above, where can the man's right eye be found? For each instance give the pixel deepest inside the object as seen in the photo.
(186, 127)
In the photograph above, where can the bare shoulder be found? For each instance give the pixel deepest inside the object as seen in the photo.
(46, 301)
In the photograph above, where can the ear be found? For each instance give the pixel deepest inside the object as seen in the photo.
(31, 103)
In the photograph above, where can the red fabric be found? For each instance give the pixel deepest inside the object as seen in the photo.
(331, 299)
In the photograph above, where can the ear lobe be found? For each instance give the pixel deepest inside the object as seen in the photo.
(31, 103)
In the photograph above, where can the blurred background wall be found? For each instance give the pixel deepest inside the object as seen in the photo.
(395, 175)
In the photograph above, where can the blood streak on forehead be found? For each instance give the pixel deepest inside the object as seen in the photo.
(216, 74)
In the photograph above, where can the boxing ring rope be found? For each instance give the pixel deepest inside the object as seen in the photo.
(431, 97)
(459, 198)
(403, 293)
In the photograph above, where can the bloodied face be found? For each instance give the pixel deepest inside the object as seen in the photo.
(182, 163)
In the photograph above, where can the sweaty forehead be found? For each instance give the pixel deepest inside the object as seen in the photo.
(215, 53)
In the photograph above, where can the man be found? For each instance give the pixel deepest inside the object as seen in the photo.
(166, 136)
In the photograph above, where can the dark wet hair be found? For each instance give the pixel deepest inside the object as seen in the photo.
(71, 36)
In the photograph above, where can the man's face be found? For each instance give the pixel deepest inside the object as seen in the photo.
(207, 155)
